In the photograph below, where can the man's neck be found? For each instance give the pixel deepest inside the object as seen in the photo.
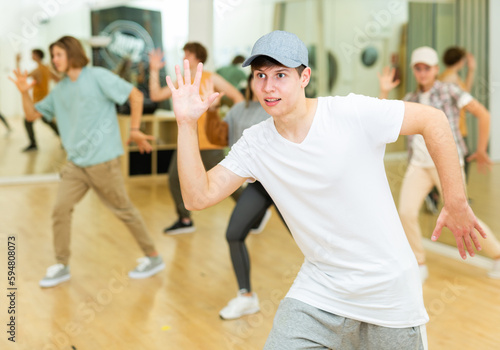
(73, 73)
(295, 125)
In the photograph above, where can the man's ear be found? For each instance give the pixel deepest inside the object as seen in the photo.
(305, 77)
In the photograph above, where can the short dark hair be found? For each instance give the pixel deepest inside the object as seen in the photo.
(266, 61)
(198, 49)
(453, 55)
(238, 59)
(39, 53)
(74, 50)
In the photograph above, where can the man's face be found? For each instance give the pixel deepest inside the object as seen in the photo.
(191, 57)
(59, 59)
(425, 74)
(278, 88)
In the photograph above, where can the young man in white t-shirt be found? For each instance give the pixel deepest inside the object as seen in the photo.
(321, 160)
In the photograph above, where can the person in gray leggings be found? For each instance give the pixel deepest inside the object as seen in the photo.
(252, 208)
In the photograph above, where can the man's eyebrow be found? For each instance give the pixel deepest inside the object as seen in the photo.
(277, 70)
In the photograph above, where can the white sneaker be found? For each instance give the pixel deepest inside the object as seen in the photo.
(495, 270)
(424, 273)
(240, 306)
(56, 274)
(262, 224)
(148, 266)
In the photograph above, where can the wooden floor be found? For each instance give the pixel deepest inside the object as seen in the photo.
(100, 308)
(48, 159)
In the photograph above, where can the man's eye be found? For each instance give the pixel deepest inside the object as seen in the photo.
(261, 75)
(281, 75)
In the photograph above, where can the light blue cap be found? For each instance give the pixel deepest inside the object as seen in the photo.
(284, 47)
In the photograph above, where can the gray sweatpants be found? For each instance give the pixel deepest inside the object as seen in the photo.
(299, 326)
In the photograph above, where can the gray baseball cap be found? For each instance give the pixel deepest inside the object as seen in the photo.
(284, 47)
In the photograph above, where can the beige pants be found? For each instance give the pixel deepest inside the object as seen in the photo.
(417, 183)
(107, 181)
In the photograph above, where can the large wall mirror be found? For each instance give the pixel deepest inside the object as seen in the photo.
(115, 34)
(349, 42)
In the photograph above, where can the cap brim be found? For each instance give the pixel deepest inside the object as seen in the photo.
(284, 61)
(430, 64)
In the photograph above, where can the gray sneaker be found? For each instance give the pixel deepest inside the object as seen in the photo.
(56, 274)
(148, 266)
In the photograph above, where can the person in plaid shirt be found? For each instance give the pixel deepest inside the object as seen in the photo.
(421, 175)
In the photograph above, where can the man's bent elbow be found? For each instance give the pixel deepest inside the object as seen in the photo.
(198, 202)
(194, 205)
(440, 114)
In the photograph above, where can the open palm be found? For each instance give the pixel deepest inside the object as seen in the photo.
(386, 79)
(188, 104)
(21, 81)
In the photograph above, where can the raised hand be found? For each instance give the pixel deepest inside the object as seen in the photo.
(386, 80)
(484, 162)
(156, 60)
(462, 222)
(141, 140)
(471, 61)
(188, 104)
(21, 81)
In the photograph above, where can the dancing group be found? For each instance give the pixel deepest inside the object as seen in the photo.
(320, 161)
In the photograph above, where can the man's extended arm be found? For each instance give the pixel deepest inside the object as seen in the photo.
(457, 215)
(199, 188)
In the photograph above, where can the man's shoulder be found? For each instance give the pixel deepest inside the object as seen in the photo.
(343, 100)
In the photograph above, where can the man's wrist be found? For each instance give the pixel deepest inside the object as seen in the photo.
(455, 201)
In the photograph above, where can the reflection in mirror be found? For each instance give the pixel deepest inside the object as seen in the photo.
(32, 25)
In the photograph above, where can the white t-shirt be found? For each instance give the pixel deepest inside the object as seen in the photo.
(421, 156)
(334, 195)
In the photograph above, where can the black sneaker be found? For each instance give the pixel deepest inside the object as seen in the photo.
(30, 148)
(179, 227)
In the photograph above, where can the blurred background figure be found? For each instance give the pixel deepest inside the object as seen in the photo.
(211, 154)
(234, 74)
(137, 77)
(42, 76)
(421, 175)
(251, 212)
(455, 59)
